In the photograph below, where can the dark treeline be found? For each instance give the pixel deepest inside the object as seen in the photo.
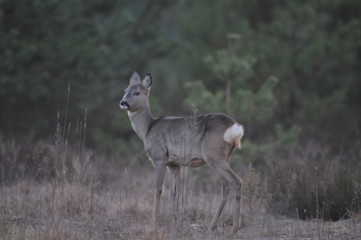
(290, 71)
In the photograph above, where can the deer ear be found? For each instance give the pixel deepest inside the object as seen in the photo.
(134, 79)
(147, 81)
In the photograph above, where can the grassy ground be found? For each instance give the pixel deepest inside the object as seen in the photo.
(110, 201)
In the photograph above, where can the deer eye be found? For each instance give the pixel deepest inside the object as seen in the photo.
(136, 93)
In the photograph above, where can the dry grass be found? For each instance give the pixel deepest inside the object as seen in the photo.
(53, 191)
(115, 202)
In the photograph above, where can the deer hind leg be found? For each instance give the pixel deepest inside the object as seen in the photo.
(160, 169)
(225, 191)
(174, 174)
(235, 183)
(237, 188)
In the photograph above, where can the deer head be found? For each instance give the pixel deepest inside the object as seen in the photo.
(136, 94)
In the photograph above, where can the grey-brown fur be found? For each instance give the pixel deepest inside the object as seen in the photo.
(183, 141)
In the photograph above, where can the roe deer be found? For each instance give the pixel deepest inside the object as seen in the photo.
(184, 141)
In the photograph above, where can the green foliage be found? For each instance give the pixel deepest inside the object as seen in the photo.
(259, 106)
(91, 44)
(226, 65)
(265, 152)
(314, 106)
(262, 62)
(249, 106)
(200, 97)
(288, 138)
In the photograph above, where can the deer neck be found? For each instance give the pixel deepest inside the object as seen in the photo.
(141, 120)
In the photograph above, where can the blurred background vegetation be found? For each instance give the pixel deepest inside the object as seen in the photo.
(289, 71)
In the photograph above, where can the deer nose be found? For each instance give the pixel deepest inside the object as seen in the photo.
(124, 104)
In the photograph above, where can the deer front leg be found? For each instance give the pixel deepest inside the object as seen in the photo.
(174, 174)
(160, 169)
(225, 191)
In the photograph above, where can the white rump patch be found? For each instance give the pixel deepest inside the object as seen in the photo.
(233, 134)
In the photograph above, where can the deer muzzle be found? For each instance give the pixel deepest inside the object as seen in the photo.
(124, 105)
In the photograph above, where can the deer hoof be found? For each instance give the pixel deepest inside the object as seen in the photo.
(235, 230)
(213, 226)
